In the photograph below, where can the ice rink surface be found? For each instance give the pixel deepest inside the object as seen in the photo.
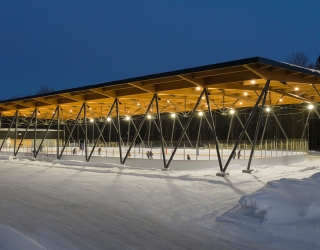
(116, 207)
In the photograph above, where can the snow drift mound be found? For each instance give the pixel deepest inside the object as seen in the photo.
(287, 207)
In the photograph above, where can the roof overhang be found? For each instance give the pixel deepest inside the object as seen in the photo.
(233, 84)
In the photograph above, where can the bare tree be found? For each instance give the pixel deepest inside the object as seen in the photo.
(45, 89)
(318, 63)
(298, 58)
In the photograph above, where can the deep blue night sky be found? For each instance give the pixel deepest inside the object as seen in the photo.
(71, 43)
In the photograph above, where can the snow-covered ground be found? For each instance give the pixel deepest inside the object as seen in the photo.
(108, 206)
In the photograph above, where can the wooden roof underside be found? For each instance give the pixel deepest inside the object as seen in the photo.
(236, 84)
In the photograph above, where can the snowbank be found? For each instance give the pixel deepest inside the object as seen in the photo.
(287, 207)
(87, 164)
(12, 239)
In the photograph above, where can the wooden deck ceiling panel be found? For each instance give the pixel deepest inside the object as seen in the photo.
(234, 84)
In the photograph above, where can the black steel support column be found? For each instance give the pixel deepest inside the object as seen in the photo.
(315, 109)
(35, 133)
(185, 128)
(185, 132)
(116, 128)
(149, 132)
(138, 133)
(305, 126)
(128, 136)
(174, 121)
(198, 136)
(284, 133)
(119, 131)
(213, 130)
(24, 134)
(101, 131)
(75, 124)
(247, 124)
(161, 135)
(243, 127)
(257, 128)
(229, 128)
(13, 120)
(138, 130)
(162, 139)
(58, 131)
(16, 133)
(45, 134)
(85, 130)
(265, 126)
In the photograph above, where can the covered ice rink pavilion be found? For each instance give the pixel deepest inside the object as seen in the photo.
(206, 114)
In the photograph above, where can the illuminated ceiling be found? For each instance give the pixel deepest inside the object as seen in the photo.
(234, 84)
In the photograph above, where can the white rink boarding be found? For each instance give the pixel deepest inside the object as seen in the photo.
(201, 159)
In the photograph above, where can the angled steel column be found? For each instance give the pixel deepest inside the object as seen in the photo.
(317, 112)
(75, 124)
(128, 137)
(257, 128)
(13, 120)
(102, 129)
(136, 131)
(149, 133)
(139, 128)
(162, 139)
(66, 126)
(24, 134)
(229, 128)
(247, 124)
(274, 114)
(99, 131)
(305, 126)
(161, 135)
(243, 127)
(214, 131)
(45, 134)
(85, 130)
(199, 130)
(315, 89)
(185, 132)
(265, 126)
(110, 127)
(185, 128)
(15, 133)
(119, 131)
(174, 121)
(115, 127)
(58, 131)
(35, 132)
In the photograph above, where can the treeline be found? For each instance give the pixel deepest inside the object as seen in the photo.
(299, 58)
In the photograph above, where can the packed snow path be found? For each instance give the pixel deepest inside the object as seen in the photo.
(77, 207)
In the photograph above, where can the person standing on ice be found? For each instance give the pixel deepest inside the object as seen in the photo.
(74, 151)
(148, 154)
(99, 151)
(188, 157)
(9, 142)
(151, 155)
(234, 155)
(239, 154)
